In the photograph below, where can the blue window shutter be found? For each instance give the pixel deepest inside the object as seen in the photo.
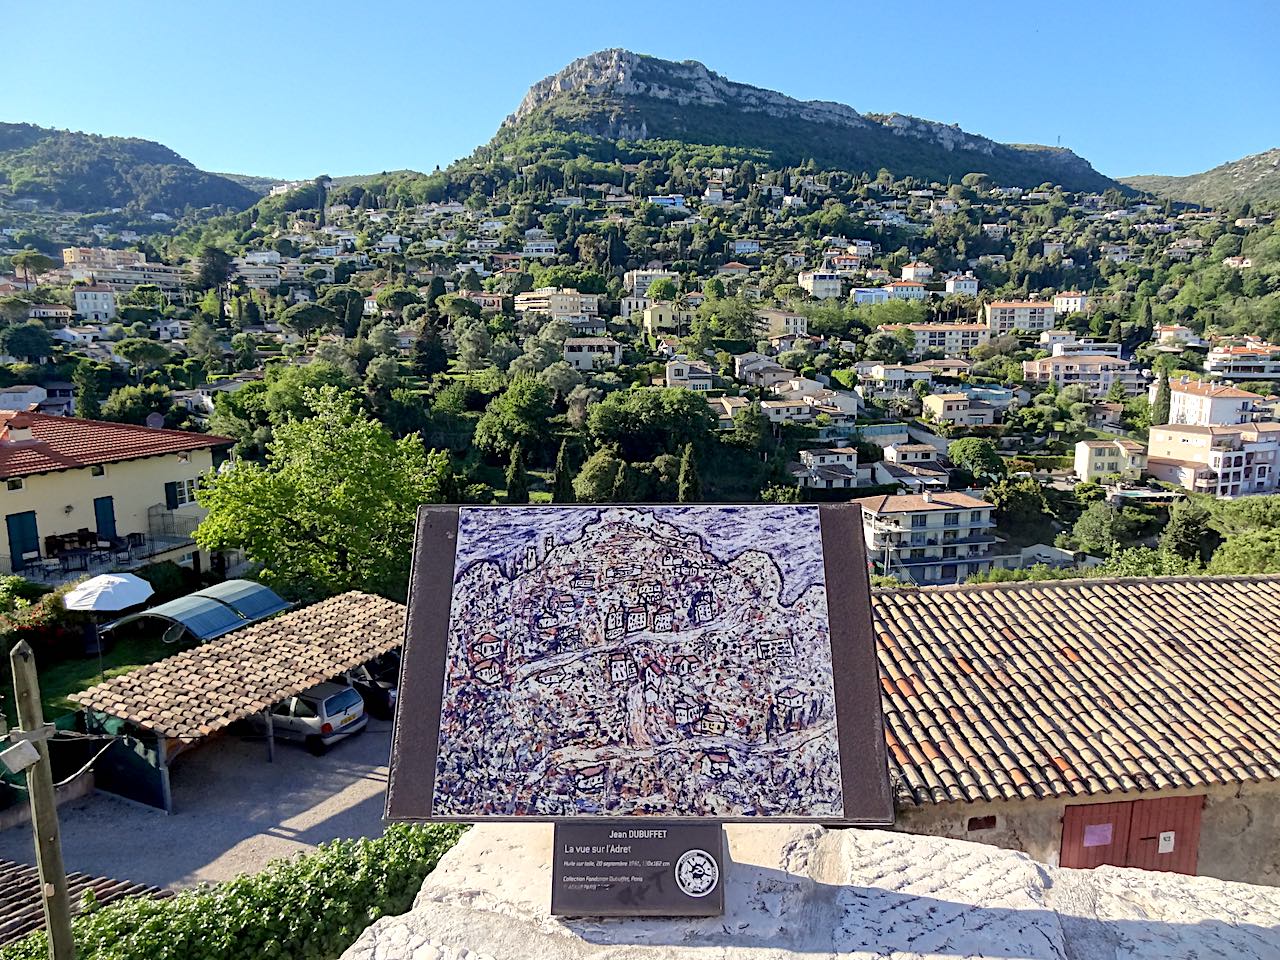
(171, 495)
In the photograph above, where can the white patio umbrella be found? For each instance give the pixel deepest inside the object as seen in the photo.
(111, 591)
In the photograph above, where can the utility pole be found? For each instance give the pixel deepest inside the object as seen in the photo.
(44, 810)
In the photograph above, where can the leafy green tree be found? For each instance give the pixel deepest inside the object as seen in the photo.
(977, 456)
(1144, 562)
(1018, 501)
(517, 477)
(1248, 553)
(562, 477)
(202, 342)
(595, 481)
(520, 415)
(88, 391)
(752, 430)
(333, 507)
(397, 298)
(1160, 408)
(689, 485)
(644, 423)
(780, 493)
(884, 347)
(1099, 530)
(133, 404)
(1187, 532)
(664, 288)
(30, 341)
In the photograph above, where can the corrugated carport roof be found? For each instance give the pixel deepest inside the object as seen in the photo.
(203, 690)
(215, 610)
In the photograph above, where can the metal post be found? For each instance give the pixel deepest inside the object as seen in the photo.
(271, 736)
(44, 808)
(162, 760)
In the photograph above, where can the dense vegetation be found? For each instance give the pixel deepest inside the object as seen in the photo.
(1255, 178)
(85, 172)
(309, 908)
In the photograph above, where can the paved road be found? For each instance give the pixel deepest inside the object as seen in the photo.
(234, 812)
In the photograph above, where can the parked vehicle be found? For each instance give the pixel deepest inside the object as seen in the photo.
(320, 716)
(378, 683)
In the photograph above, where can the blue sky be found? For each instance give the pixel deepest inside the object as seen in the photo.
(294, 89)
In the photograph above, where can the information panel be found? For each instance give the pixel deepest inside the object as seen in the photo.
(669, 661)
(626, 868)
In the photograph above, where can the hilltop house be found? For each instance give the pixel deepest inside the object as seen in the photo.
(73, 484)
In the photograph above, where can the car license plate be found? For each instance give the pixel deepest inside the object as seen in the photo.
(349, 718)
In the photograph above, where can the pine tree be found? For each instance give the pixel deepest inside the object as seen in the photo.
(688, 486)
(1186, 530)
(562, 479)
(1160, 409)
(517, 478)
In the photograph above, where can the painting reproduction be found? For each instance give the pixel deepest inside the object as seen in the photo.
(623, 661)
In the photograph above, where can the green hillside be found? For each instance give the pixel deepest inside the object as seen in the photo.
(66, 170)
(1253, 179)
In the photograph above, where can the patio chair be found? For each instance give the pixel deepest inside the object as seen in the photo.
(123, 553)
(74, 560)
(101, 551)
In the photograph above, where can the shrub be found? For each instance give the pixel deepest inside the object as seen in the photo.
(309, 908)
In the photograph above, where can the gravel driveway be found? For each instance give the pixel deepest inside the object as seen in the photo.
(234, 812)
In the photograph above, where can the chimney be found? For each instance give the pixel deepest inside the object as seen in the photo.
(17, 429)
(928, 496)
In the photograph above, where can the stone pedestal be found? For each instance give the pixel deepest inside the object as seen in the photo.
(799, 891)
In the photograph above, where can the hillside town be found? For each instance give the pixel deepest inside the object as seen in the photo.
(619, 351)
(835, 336)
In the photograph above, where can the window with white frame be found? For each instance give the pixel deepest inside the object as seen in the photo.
(186, 492)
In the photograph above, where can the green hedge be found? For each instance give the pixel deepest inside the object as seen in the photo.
(311, 907)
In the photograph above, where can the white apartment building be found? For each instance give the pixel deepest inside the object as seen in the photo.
(870, 295)
(638, 281)
(905, 290)
(928, 538)
(949, 339)
(1206, 403)
(592, 353)
(1095, 372)
(820, 284)
(125, 278)
(1095, 459)
(94, 301)
(962, 283)
(1073, 347)
(559, 303)
(538, 248)
(1072, 301)
(917, 270)
(1225, 461)
(1019, 316)
(101, 258)
(1255, 360)
(629, 305)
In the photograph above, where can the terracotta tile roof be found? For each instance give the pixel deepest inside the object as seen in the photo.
(1079, 688)
(909, 503)
(65, 443)
(20, 901)
(1208, 388)
(202, 690)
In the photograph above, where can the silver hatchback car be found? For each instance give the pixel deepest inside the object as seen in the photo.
(320, 716)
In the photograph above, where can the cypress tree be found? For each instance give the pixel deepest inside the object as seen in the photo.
(562, 479)
(619, 492)
(688, 486)
(517, 478)
(1160, 409)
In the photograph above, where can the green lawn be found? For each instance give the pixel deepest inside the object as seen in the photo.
(71, 676)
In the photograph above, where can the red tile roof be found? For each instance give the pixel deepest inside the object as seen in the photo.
(66, 443)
